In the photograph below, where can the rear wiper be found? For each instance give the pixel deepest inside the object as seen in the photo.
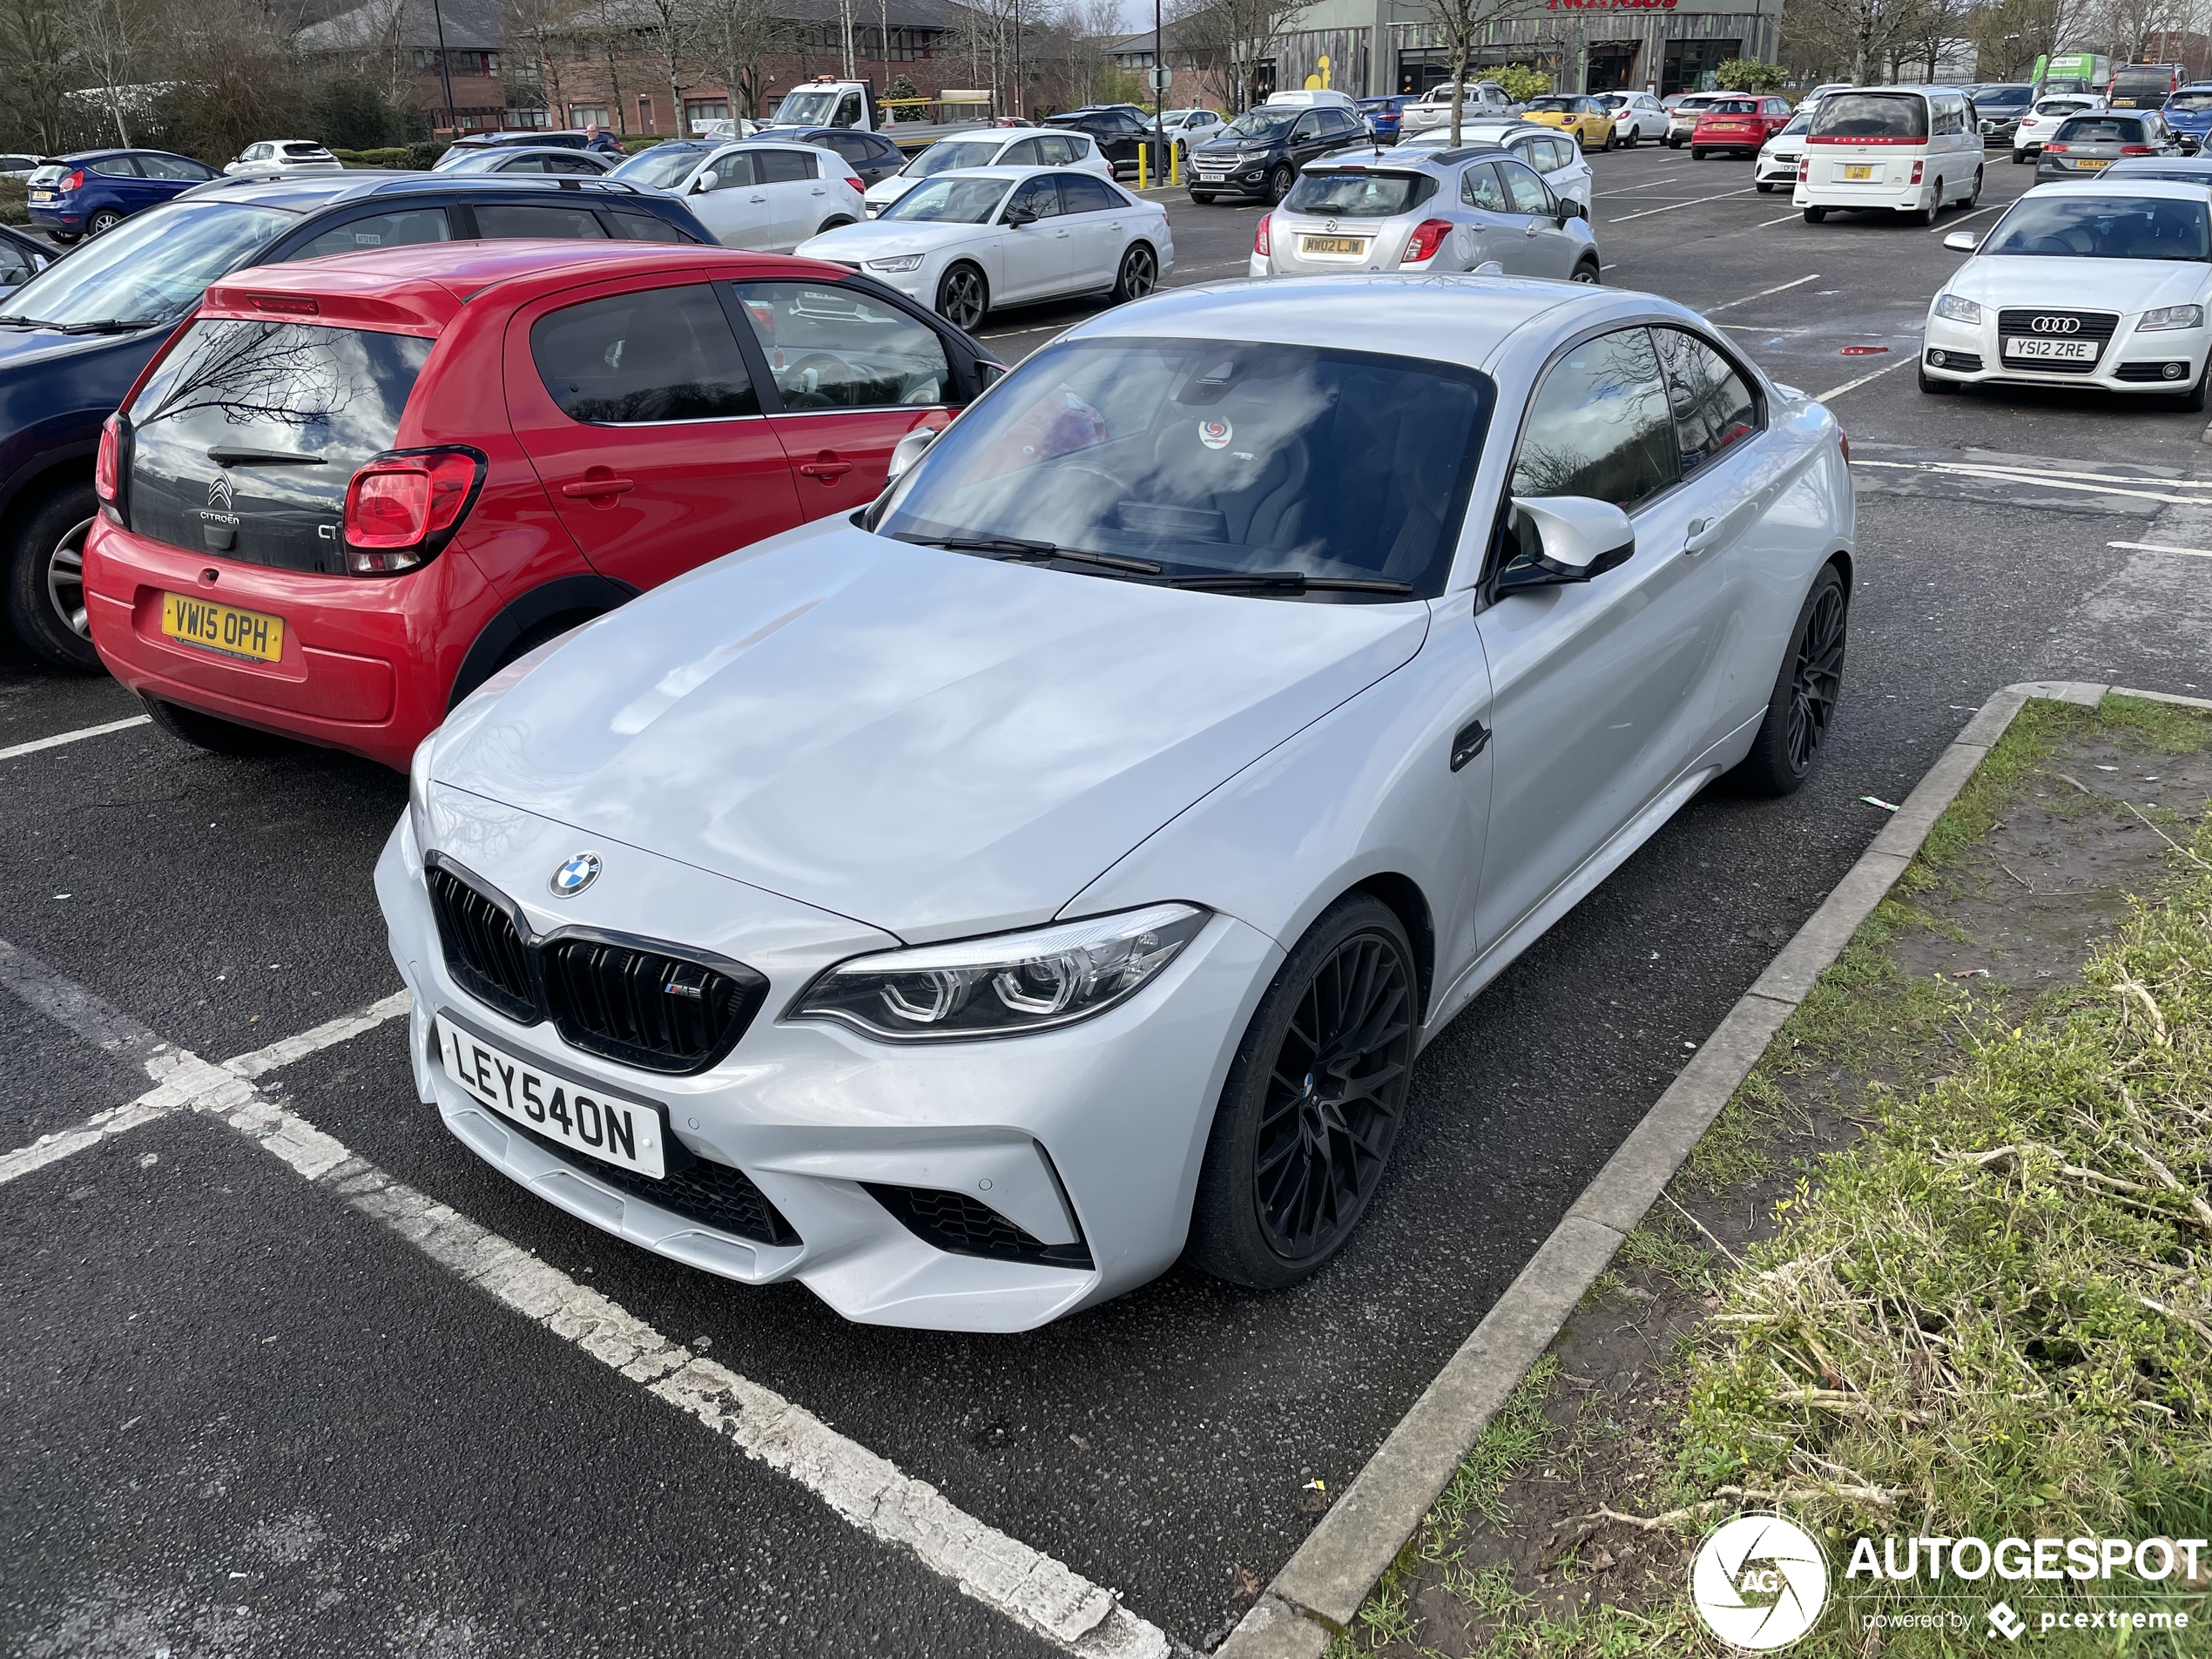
(223, 456)
(1288, 582)
(1014, 550)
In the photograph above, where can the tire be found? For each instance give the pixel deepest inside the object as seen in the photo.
(1588, 271)
(1927, 216)
(102, 222)
(1279, 183)
(1815, 215)
(1696, 154)
(963, 297)
(834, 222)
(1802, 705)
(217, 736)
(1932, 387)
(1287, 1176)
(1140, 273)
(65, 238)
(1766, 190)
(2019, 158)
(2192, 401)
(45, 580)
(1671, 142)
(1973, 195)
(1204, 198)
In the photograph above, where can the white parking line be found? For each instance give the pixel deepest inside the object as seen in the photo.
(2022, 475)
(1974, 212)
(1630, 189)
(1692, 202)
(78, 736)
(1784, 219)
(1838, 391)
(870, 1493)
(2160, 547)
(1779, 287)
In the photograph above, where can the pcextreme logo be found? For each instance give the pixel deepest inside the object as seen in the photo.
(1759, 1583)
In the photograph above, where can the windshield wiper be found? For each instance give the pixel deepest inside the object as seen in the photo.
(107, 326)
(1014, 550)
(15, 321)
(223, 456)
(1288, 582)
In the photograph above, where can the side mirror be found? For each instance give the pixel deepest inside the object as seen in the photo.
(1961, 242)
(1565, 539)
(1569, 208)
(704, 182)
(1016, 217)
(909, 451)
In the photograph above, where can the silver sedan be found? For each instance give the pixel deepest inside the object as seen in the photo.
(1470, 209)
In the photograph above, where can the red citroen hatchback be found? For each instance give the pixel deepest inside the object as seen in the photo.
(350, 489)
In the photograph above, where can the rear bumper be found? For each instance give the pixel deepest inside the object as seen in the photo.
(367, 664)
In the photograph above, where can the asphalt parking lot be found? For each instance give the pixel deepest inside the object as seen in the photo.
(275, 1399)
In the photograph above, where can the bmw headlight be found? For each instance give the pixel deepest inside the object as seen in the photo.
(1957, 310)
(1006, 984)
(418, 792)
(2171, 317)
(904, 262)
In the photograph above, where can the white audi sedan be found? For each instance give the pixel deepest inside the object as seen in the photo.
(970, 905)
(2101, 283)
(965, 242)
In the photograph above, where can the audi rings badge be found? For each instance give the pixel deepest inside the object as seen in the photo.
(2057, 325)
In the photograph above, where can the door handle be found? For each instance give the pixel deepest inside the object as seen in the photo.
(598, 488)
(756, 199)
(1531, 230)
(826, 466)
(1467, 742)
(1704, 532)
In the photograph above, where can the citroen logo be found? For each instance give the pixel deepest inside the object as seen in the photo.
(575, 875)
(2057, 325)
(218, 491)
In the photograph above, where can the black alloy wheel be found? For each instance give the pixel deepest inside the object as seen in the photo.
(1313, 1102)
(963, 298)
(1801, 711)
(1140, 274)
(1279, 182)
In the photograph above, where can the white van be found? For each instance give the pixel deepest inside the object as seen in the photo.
(1308, 99)
(1900, 149)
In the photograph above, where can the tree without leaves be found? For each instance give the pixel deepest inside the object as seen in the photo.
(736, 38)
(1461, 22)
(1229, 39)
(34, 70)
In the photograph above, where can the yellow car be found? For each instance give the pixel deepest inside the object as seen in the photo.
(1589, 120)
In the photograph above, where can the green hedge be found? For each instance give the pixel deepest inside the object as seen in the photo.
(15, 202)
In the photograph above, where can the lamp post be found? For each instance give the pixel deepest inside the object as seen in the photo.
(445, 69)
(1159, 98)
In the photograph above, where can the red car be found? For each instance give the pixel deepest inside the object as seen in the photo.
(1742, 124)
(350, 489)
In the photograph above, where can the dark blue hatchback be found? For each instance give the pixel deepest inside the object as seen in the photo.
(91, 193)
(75, 336)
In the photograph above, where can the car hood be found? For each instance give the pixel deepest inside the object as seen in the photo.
(930, 742)
(888, 240)
(2041, 279)
(889, 190)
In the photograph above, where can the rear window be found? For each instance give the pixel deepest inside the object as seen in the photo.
(2101, 129)
(1358, 193)
(1733, 106)
(1997, 97)
(243, 440)
(1870, 115)
(2191, 103)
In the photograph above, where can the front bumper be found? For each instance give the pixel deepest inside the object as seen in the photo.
(1779, 167)
(2142, 356)
(1250, 179)
(1092, 1133)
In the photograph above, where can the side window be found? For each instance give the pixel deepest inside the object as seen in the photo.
(848, 110)
(643, 227)
(573, 165)
(733, 170)
(1479, 187)
(115, 167)
(522, 164)
(1060, 151)
(1599, 426)
(1029, 153)
(14, 264)
(837, 349)
(379, 230)
(173, 167)
(659, 354)
(1083, 193)
(498, 220)
(1524, 189)
(1041, 197)
(785, 166)
(852, 146)
(1713, 406)
(1307, 130)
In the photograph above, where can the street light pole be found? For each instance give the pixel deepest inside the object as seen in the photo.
(1159, 99)
(445, 69)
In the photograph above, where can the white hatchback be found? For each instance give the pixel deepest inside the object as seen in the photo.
(1778, 157)
(964, 242)
(1038, 147)
(1636, 116)
(765, 195)
(967, 906)
(274, 158)
(2044, 120)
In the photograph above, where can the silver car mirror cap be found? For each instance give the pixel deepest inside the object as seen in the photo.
(909, 451)
(1961, 242)
(1565, 539)
(1489, 267)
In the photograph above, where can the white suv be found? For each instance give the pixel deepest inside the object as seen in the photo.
(2042, 121)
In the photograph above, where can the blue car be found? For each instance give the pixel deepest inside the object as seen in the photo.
(2189, 112)
(91, 193)
(75, 335)
(1382, 115)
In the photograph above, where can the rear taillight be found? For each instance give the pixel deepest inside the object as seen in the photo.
(2136, 149)
(1805, 169)
(1843, 442)
(402, 507)
(1916, 171)
(103, 466)
(2054, 149)
(75, 181)
(853, 179)
(1427, 237)
(1259, 236)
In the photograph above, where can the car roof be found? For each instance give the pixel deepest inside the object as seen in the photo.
(423, 286)
(303, 192)
(2172, 189)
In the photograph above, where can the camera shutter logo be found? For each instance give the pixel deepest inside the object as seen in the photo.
(1759, 1583)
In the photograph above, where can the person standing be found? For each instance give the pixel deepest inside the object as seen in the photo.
(597, 138)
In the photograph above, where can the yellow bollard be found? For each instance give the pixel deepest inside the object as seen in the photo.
(1175, 166)
(1143, 155)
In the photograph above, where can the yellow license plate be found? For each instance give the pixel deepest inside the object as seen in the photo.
(1866, 172)
(238, 633)
(2095, 164)
(1352, 245)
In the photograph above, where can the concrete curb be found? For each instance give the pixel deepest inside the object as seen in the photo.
(1319, 1589)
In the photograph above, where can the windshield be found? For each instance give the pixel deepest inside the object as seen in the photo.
(662, 167)
(939, 157)
(2104, 228)
(2191, 103)
(1212, 458)
(1870, 115)
(809, 107)
(1260, 124)
(152, 268)
(1798, 122)
(950, 201)
(1357, 194)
